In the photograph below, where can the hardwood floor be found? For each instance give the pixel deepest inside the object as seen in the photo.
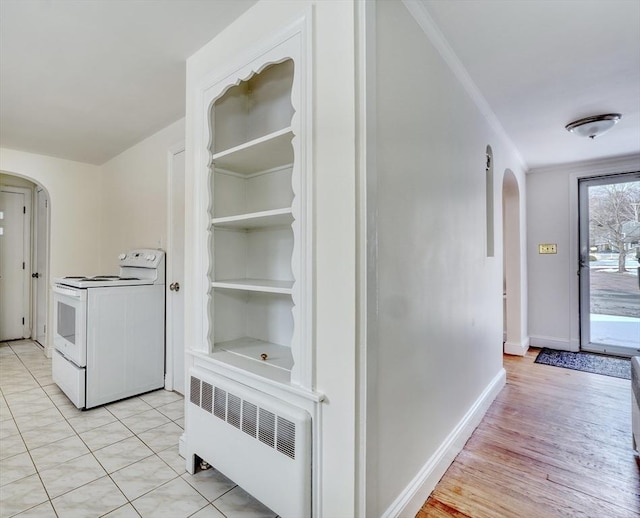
(555, 443)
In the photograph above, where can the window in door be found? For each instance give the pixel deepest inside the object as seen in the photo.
(609, 264)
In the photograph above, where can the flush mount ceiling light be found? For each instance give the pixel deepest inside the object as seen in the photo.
(593, 126)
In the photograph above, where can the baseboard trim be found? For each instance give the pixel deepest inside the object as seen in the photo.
(411, 499)
(553, 343)
(517, 349)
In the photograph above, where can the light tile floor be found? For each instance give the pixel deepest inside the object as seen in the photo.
(120, 460)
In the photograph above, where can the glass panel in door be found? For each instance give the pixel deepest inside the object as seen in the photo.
(609, 255)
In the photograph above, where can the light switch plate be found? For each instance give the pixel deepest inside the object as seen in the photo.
(547, 248)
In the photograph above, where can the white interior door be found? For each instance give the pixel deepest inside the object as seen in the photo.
(14, 263)
(175, 271)
(40, 276)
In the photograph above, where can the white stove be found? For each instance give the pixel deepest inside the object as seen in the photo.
(137, 267)
(109, 331)
(100, 281)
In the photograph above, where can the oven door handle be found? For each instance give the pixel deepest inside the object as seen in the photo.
(67, 292)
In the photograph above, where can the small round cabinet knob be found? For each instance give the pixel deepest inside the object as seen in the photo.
(264, 356)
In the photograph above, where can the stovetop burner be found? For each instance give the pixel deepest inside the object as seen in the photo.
(101, 278)
(139, 267)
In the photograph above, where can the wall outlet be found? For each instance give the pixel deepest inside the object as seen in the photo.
(547, 249)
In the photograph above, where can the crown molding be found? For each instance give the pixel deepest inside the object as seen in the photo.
(619, 164)
(419, 11)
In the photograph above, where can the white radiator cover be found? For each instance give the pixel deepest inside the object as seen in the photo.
(258, 441)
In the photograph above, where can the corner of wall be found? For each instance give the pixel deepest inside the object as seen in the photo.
(517, 349)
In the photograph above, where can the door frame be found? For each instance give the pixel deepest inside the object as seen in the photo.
(575, 173)
(170, 346)
(36, 252)
(26, 255)
(583, 262)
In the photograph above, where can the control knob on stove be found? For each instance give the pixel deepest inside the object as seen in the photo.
(122, 256)
(150, 257)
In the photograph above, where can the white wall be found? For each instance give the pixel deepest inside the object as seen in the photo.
(134, 196)
(436, 330)
(334, 190)
(552, 216)
(98, 211)
(74, 196)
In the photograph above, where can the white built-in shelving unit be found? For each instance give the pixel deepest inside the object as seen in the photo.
(254, 185)
(252, 401)
(252, 238)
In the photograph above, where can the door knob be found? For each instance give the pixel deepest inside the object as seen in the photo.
(35, 275)
(174, 286)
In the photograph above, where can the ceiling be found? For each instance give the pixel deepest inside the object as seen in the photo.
(85, 80)
(543, 64)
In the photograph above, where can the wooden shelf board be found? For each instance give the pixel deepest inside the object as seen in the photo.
(251, 367)
(261, 285)
(263, 219)
(261, 154)
(278, 356)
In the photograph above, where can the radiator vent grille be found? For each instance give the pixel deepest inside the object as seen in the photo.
(286, 437)
(233, 410)
(207, 396)
(249, 418)
(267, 427)
(271, 429)
(195, 391)
(220, 403)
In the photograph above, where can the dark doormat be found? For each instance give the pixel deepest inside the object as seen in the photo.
(587, 362)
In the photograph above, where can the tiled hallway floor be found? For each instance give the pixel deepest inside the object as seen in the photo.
(120, 460)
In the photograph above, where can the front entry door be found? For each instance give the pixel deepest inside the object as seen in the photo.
(609, 267)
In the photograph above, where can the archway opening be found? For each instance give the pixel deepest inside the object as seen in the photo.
(25, 286)
(512, 272)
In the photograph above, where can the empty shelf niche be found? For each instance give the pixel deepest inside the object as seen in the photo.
(258, 106)
(256, 257)
(249, 324)
(236, 194)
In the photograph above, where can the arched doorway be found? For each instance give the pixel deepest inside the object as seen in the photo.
(29, 262)
(514, 340)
